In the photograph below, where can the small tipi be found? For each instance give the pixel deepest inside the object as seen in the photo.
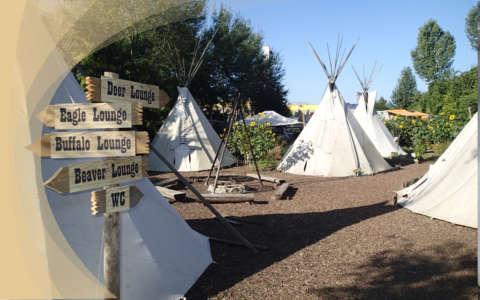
(378, 133)
(333, 144)
(186, 138)
(448, 191)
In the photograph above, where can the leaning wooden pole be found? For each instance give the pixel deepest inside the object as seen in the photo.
(205, 202)
(111, 243)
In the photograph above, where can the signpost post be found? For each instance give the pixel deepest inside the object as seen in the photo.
(111, 242)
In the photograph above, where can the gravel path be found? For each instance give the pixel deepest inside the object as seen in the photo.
(336, 239)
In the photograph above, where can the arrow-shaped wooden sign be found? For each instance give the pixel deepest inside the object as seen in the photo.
(91, 144)
(106, 89)
(97, 174)
(91, 115)
(114, 199)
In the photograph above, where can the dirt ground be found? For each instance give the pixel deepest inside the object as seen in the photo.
(336, 239)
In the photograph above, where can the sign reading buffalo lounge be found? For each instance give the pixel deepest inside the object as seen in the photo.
(92, 144)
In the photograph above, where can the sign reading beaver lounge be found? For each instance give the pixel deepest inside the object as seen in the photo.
(108, 89)
(97, 174)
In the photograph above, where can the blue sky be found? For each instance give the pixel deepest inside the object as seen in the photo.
(385, 31)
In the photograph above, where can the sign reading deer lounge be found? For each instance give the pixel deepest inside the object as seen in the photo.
(113, 89)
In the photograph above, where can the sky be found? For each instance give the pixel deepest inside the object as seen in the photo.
(384, 31)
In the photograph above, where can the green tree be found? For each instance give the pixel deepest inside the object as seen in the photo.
(471, 28)
(433, 56)
(405, 93)
(382, 104)
(233, 62)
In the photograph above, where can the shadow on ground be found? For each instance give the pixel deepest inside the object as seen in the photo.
(442, 272)
(284, 234)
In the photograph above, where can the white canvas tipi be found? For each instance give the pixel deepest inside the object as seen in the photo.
(378, 133)
(186, 138)
(333, 144)
(161, 256)
(448, 191)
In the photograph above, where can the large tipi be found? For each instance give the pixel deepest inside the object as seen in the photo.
(161, 269)
(333, 144)
(186, 138)
(378, 133)
(448, 191)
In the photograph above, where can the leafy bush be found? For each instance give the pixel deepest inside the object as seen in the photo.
(261, 136)
(419, 134)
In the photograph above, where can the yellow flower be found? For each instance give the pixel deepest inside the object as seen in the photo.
(261, 115)
(451, 118)
(267, 123)
(252, 123)
(400, 126)
(430, 127)
(413, 121)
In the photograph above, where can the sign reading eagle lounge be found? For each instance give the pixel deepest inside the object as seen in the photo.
(108, 89)
(97, 174)
(91, 116)
(92, 144)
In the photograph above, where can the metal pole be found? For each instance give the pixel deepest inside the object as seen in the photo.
(222, 220)
(234, 114)
(251, 147)
(230, 124)
(478, 139)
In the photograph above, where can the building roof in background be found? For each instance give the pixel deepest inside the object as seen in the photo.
(272, 117)
(302, 107)
(406, 113)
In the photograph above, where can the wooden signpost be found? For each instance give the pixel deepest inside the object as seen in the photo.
(114, 199)
(124, 109)
(91, 116)
(107, 89)
(97, 174)
(92, 144)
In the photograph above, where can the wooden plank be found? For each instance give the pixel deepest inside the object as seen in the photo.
(107, 89)
(114, 199)
(280, 191)
(91, 144)
(171, 194)
(229, 198)
(267, 178)
(165, 182)
(91, 115)
(96, 174)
